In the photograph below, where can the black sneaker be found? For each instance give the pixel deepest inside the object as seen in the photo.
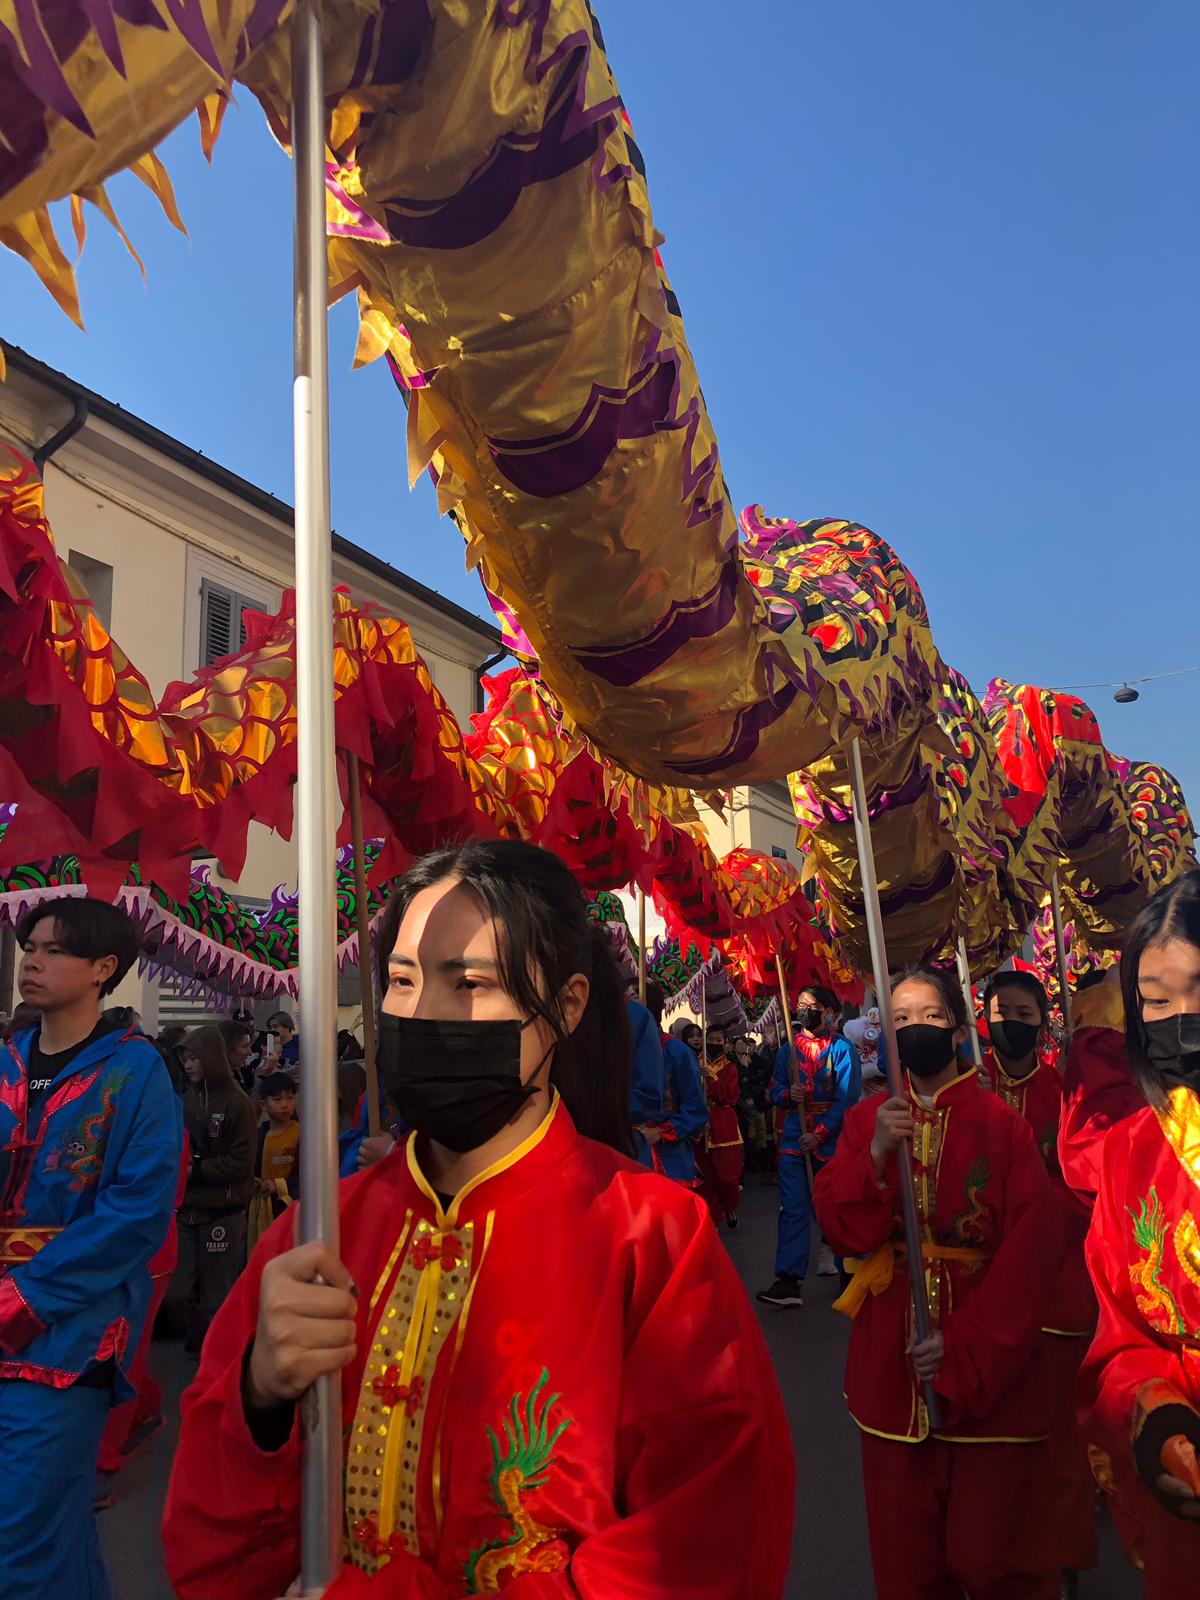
(731, 1220)
(783, 1292)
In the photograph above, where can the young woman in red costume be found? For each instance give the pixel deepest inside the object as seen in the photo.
(552, 1380)
(1141, 1378)
(952, 1511)
(1016, 1010)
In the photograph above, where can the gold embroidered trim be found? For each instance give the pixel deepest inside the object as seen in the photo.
(420, 1312)
(1180, 1124)
(385, 1275)
(439, 1505)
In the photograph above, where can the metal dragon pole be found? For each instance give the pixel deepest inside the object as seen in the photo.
(316, 789)
(1060, 951)
(896, 1084)
(795, 1065)
(964, 977)
(642, 946)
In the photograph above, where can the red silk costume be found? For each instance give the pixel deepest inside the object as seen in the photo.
(720, 1154)
(1143, 1251)
(955, 1509)
(560, 1392)
(1070, 1523)
(1098, 1090)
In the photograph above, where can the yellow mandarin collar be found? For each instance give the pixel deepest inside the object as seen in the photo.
(543, 1148)
(969, 1076)
(1015, 1083)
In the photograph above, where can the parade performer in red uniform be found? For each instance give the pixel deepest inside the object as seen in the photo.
(1141, 1378)
(1016, 1010)
(720, 1156)
(554, 1384)
(950, 1512)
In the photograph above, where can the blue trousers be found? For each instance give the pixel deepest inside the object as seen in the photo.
(49, 1442)
(795, 1219)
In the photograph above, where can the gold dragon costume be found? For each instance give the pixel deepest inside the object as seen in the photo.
(488, 204)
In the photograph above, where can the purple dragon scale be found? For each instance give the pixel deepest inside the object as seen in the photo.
(565, 461)
(486, 200)
(698, 618)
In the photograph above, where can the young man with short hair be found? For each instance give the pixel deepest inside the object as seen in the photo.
(90, 1141)
(286, 1052)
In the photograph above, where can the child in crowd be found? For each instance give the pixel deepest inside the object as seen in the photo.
(277, 1162)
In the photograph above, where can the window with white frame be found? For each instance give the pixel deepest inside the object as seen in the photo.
(222, 620)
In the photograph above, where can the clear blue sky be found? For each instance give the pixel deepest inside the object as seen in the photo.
(938, 265)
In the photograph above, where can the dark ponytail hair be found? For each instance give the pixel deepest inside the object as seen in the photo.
(947, 986)
(1173, 913)
(545, 937)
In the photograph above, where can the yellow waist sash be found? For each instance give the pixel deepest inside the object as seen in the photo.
(874, 1273)
(22, 1244)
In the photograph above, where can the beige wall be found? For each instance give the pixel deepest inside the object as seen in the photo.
(758, 818)
(148, 591)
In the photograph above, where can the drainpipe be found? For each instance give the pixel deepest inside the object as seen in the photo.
(480, 671)
(79, 416)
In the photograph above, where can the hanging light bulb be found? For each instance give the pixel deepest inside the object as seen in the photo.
(1126, 695)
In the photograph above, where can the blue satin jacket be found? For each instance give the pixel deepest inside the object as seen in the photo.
(86, 1197)
(646, 1087)
(836, 1085)
(349, 1142)
(686, 1107)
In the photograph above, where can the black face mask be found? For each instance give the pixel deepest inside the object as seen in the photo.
(1173, 1044)
(925, 1049)
(811, 1019)
(1014, 1040)
(458, 1083)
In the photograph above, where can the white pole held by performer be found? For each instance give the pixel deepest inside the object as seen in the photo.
(896, 1085)
(964, 977)
(316, 787)
(1060, 952)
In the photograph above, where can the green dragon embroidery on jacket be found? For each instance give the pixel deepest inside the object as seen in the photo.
(1154, 1299)
(970, 1226)
(520, 1465)
(81, 1152)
